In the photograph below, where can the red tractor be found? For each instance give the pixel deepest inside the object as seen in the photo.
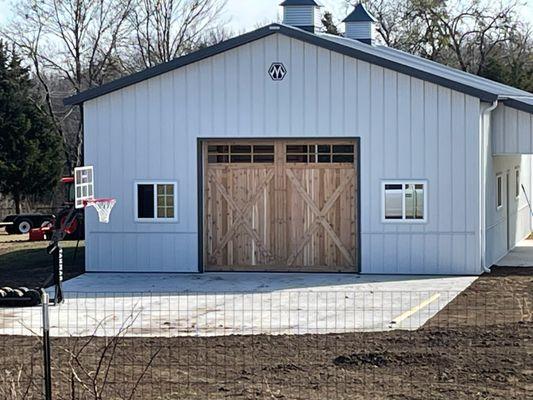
(75, 228)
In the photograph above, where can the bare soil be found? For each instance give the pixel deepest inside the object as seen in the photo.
(25, 263)
(479, 347)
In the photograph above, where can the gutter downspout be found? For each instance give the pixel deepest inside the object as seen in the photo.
(484, 140)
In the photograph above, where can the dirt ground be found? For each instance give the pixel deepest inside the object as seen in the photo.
(25, 263)
(479, 347)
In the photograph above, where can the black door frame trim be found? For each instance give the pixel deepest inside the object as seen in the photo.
(200, 190)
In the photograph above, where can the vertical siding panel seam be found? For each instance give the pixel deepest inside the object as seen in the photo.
(148, 142)
(370, 166)
(277, 87)
(383, 167)
(252, 90)
(317, 88)
(343, 95)
(238, 55)
(241, 97)
(466, 135)
(412, 158)
(173, 139)
(160, 124)
(424, 160)
(225, 88)
(517, 128)
(412, 167)
(211, 98)
(505, 138)
(263, 84)
(437, 223)
(123, 174)
(186, 119)
(330, 91)
(452, 187)
(291, 87)
(304, 85)
(397, 136)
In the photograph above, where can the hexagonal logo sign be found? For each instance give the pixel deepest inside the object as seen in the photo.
(277, 71)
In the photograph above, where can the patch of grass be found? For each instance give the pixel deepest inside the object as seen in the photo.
(25, 263)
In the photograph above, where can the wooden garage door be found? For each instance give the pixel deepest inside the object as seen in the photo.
(284, 205)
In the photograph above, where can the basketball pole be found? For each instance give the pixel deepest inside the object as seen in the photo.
(47, 362)
(56, 251)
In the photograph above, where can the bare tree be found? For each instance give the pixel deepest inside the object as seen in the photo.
(464, 34)
(73, 45)
(165, 29)
(470, 30)
(77, 44)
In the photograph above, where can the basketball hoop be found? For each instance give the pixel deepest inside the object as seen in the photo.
(103, 207)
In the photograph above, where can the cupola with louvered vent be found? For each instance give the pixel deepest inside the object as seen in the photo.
(303, 14)
(360, 25)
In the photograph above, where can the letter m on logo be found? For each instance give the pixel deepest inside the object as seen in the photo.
(277, 71)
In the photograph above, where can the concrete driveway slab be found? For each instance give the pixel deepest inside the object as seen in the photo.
(239, 303)
(520, 256)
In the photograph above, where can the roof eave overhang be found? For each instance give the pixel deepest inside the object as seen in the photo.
(519, 105)
(291, 32)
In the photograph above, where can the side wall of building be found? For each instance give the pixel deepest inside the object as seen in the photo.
(509, 223)
(409, 129)
(512, 131)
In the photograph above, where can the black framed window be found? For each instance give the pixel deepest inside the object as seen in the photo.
(156, 201)
(404, 201)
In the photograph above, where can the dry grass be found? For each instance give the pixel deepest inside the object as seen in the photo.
(25, 263)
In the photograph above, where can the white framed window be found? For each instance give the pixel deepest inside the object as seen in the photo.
(156, 201)
(517, 182)
(499, 191)
(404, 201)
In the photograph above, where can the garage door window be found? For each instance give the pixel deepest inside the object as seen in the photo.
(320, 153)
(404, 201)
(155, 201)
(240, 153)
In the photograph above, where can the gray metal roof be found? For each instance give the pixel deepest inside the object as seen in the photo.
(360, 14)
(300, 3)
(501, 91)
(396, 60)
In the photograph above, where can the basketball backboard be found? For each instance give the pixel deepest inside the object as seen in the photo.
(83, 185)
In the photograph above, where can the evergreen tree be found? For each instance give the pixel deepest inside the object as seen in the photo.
(329, 24)
(30, 150)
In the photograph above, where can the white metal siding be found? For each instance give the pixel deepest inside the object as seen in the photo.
(409, 129)
(512, 131)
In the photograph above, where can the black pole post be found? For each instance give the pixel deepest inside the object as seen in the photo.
(76, 251)
(58, 273)
(47, 366)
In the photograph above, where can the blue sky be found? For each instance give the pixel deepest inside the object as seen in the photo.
(244, 15)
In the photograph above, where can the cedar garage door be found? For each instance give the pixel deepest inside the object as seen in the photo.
(282, 205)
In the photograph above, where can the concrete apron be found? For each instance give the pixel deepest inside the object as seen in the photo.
(167, 305)
(520, 256)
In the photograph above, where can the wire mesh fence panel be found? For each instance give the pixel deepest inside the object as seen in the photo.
(290, 344)
(21, 357)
